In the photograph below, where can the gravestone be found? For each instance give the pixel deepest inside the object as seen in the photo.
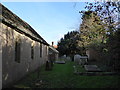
(83, 60)
(48, 65)
(91, 68)
(60, 62)
(68, 58)
(77, 58)
(63, 57)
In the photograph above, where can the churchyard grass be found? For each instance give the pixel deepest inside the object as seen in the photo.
(62, 76)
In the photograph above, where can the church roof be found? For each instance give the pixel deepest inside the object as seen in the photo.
(13, 21)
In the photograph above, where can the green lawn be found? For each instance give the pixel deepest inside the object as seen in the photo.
(62, 76)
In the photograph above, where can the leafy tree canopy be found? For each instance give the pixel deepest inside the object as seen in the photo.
(70, 44)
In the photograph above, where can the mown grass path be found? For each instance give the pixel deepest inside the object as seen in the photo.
(62, 76)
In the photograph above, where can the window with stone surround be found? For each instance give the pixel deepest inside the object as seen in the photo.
(17, 50)
(40, 49)
(32, 51)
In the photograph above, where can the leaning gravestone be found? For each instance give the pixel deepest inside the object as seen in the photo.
(77, 58)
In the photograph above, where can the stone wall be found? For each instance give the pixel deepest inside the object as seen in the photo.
(53, 54)
(12, 70)
(0, 56)
(16, 30)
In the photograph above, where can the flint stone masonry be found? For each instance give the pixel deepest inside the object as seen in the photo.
(0, 57)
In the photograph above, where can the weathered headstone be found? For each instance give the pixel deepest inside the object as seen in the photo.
(83, 60)
(91, 68)
(68, 58)
(60, 62)
(77, 58)
(63, 57)
(48, 65)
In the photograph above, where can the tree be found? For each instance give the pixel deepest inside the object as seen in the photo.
(113, 46)
(92, 29)
(108, 11)
(70, 44)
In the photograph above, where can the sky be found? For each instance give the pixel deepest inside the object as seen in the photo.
(49, 19)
